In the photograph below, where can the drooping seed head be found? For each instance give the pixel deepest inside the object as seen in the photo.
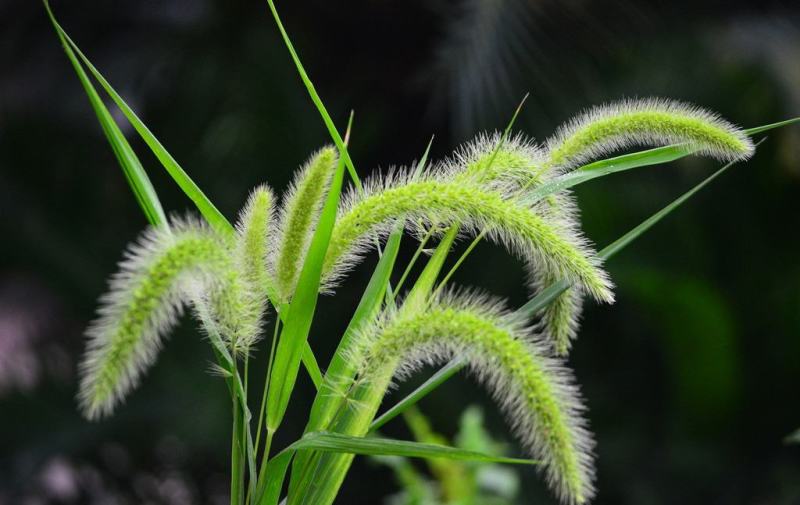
(510, 164)
(536, 392)
(299, 213)
(559, 320)
(655, 122)
(506, 219)
(145, 298)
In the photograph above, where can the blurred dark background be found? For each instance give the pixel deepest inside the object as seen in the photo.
(691, 377)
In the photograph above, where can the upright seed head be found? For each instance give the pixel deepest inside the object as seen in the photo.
(653, 121)
(253, 239)
(536, 392)
(299, 213)
(252, 280)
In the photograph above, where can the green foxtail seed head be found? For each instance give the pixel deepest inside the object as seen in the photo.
(237, 306)
(559, 320)
(253, 244)
(653, 121)
(299, 213)
(435, 199)
(516, 164)
(145, 298)
(537, 392)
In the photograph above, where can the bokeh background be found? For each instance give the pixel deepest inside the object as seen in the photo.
(691, 377)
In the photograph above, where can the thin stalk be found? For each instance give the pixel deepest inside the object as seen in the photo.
(414, 258)
(458, 262)
(266, 383)
(237, 476)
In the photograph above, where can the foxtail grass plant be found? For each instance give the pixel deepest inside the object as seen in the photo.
(271, 266)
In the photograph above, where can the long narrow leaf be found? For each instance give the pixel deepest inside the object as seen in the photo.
(330, 398)
(367, 307)
(610, 166)
(275, 475)
(204, 205)
(372, 446)
(541, 300)
(366, 446)
(312, 92)
(429, 385)
(137, 178)
(779, 124)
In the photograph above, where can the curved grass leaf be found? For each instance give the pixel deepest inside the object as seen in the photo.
(779, 124)
(373, 446)
(366, 446)
(140, 183)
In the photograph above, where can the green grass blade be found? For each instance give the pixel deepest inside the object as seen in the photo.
(423, 161)
(270, 491)
(326, 118)
(366, 446)
(367, 307)
(204, 205)
(422, 288)
(310, 362)
(137, 178)
(602, 168)
(373, 446)
(779, 124)
(429, 385)
(140, 183)
(301, 312)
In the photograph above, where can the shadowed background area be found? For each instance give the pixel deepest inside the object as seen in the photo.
(691, 377)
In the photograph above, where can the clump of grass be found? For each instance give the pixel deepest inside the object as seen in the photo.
(503, 187)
